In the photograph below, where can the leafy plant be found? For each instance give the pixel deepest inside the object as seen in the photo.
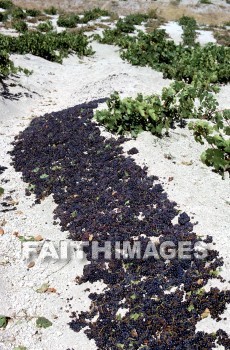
(157, 113)
(18, 13)
(136, 18)
(150, 49)
(110, 37)
(189, 30)
(3, 16)
(20, 26)
(6, 4)
(51, 11)
(125, 26)
(94, 14)
(208, 64)
(206, 2)
(187, 21)
(68, 20)
(132, 115)
(33, 12)
(6, 66)
(216, 135)
(43, 322)
(3, 321)
(51, 46)
(45, 26)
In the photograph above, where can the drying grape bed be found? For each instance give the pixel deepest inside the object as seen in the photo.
(100, 194)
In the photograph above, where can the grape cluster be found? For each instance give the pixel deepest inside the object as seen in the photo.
(2, 169)
(100, 194)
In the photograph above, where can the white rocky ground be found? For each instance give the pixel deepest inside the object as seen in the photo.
(197, 190)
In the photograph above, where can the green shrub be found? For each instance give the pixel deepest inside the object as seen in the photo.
(177, 102)
(6, 65)
(94, 14)
(51, 46)
(124, 26)
(20, 26)
(68, 20)
(189, 26)
(209, 64)
(157, 113)
(151, 49)
(3, 16)
(51, 11)
(207, 2)
(6, 4)
(136, 18)
(187, 21)
(133, 115)
(33, 12)
(18, 13)
(114, 37)
(110, 37)
(217, 136)
(45, 26)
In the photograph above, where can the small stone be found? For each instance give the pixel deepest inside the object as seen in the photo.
(38, 238)
(31, 264)
(206, 313)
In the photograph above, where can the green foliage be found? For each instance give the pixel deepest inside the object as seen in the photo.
(43, 322)
(110, 37)
(51, 46)
(68, 20)
(136, 18)
(20, 26)
(3, 16)
(51, 11)
(33, 12)
(187, 21)
(134, 115)
(18, 13)
(114, 37)
(45, 26)
(3, 321)
(6, 4)
(6, 65)
(177, 102)
(157, 113)
(124, 26)
(127, 24)
(189, 30)
(217, 136)
(206, 2)
(209, 64)
(150, 49)
(94, 14)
